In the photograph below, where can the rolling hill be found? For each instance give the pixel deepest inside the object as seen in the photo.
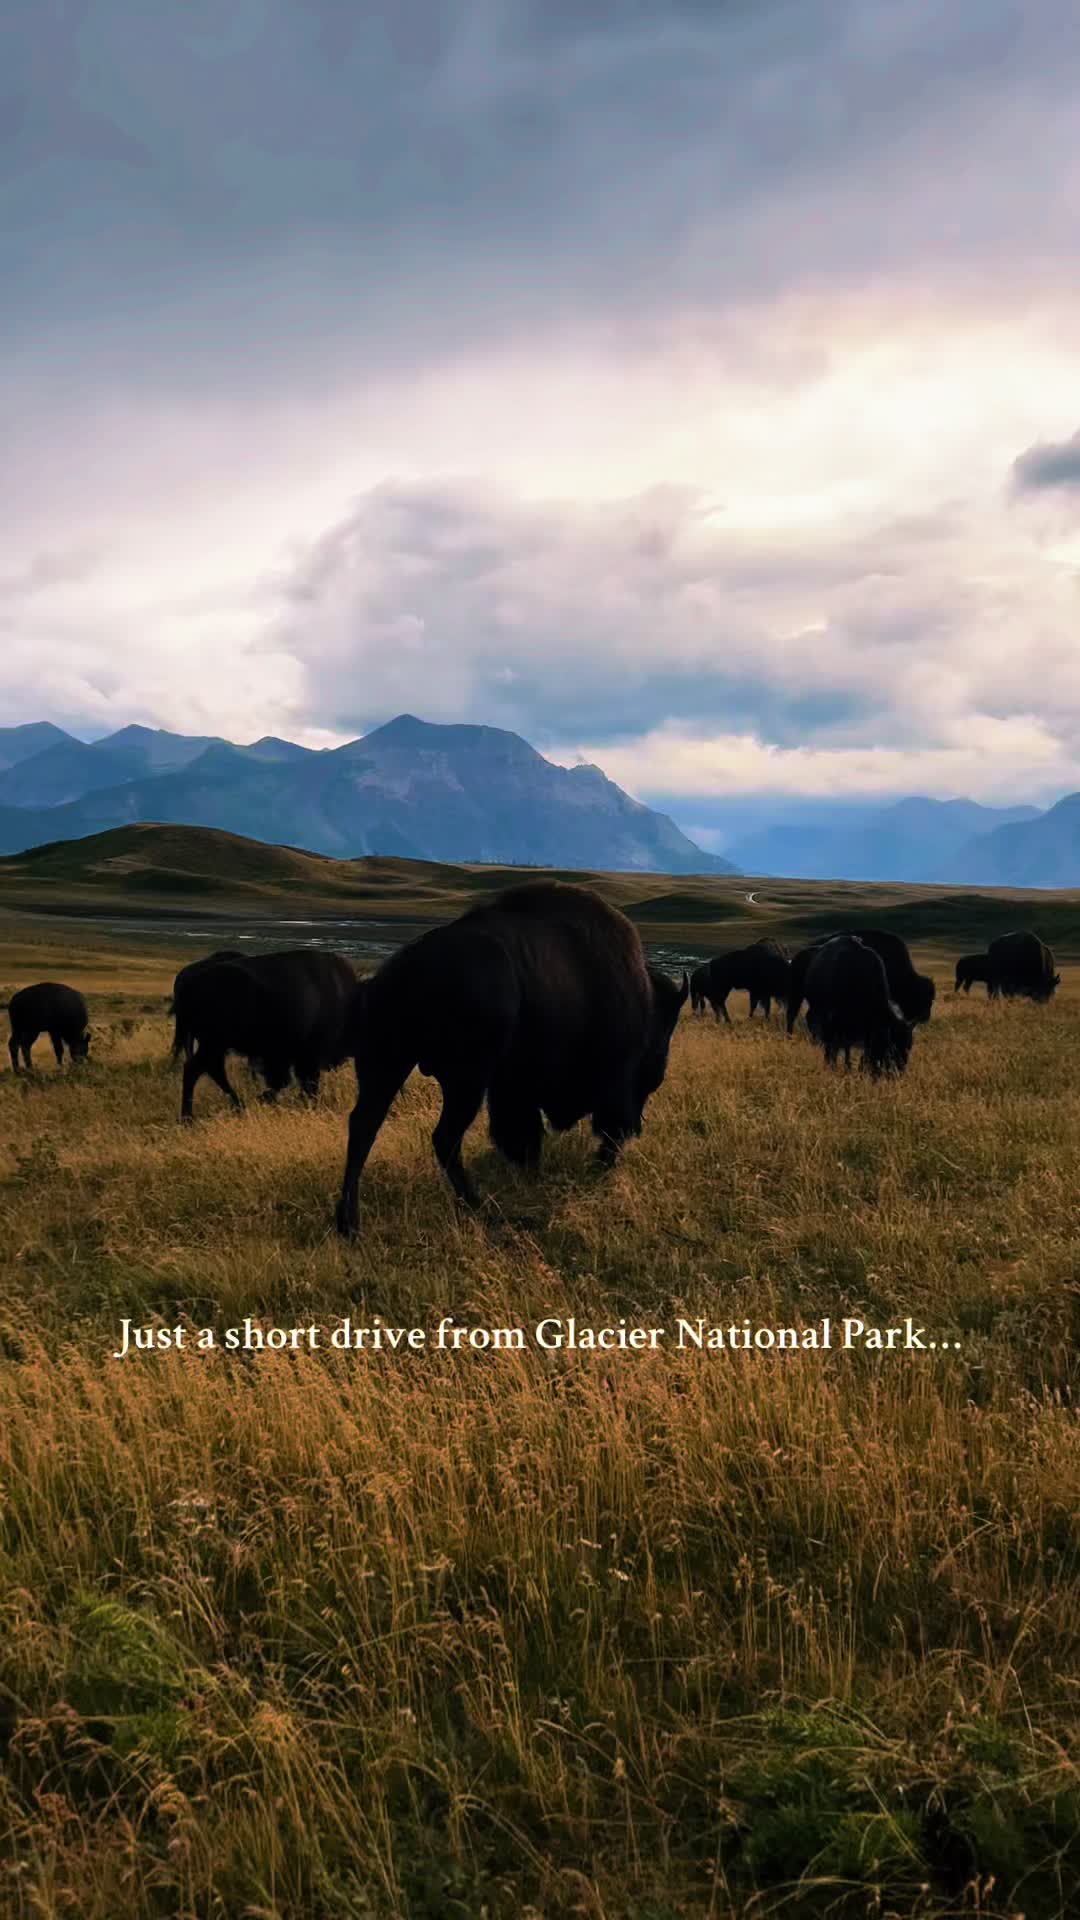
(201, 876)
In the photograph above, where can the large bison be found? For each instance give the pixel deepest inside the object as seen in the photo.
(971, 968)
(539, 1000)
(285, 1013)
(762, 970)
(48, 1008)
(1020, 965)
(849, 1005)
(913, 992)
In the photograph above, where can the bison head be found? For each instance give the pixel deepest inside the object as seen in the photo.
(919, 998)
(668, 1001)
(888, 1047)
(80, 1046)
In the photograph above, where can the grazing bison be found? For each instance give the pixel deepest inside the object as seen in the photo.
(539, 1000)
(971, 968)
(48, 1008)
(285, 1012)
(1020, 965)
(762, 970)
(913, 992)
(849, 1005)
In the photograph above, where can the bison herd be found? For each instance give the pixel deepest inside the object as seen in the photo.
(540, 1002)
(1017, 963)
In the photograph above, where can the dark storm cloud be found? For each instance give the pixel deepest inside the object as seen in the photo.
(812, 259)
(1050, 463)
(215, 183)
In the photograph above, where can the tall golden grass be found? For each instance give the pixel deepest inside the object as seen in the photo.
(647, 1634)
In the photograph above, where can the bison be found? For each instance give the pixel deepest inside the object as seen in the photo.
(762, 970)
(849, 1005)
(699, 981)
(48, 1008)
(913, 992)
(970, 969)
(285, 1012)
(539, 1001)
(1020, 965)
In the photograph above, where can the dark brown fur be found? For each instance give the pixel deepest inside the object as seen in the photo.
(539, 1001)
(50, 1008)
(285, 1013)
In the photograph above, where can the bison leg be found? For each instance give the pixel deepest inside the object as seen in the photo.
(720, 1009)
(58, 1048)
(13, 1049)
(375, 1097)
(463, 1096)
(308, 1075)
(516, 1124)
(194, 1067)
(277, 1074)
(794, 1008)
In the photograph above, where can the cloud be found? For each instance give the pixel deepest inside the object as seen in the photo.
(997, 761)
(652, 634)
(736, 313)
(1049, 464)
(410, 179)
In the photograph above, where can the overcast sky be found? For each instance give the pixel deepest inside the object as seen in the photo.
(690, 385)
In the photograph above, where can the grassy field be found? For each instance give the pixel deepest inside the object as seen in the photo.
(295, 1637)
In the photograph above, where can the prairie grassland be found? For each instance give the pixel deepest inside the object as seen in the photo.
(647, 1634)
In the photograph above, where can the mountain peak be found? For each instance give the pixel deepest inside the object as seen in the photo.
(34, 736)
(408, 733)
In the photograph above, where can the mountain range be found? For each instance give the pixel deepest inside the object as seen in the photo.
(481, 794)
(410, 788)
(916, 839)
(945, 842)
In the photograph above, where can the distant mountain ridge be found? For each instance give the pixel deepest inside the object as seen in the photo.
(410, 788)
(910, 840)
(1039, 852)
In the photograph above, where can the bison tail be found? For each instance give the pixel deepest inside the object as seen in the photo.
(183, 1040)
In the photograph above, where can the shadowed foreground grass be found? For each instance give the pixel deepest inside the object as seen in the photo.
(645, 1634)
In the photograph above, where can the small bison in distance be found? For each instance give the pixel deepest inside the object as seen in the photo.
(699, 980)
(1021, 966)
(285, 1013)
(539, 1001)
(970, 969)
(48, 1008)
(913, 992)
(762, 970)
(849, 1005)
